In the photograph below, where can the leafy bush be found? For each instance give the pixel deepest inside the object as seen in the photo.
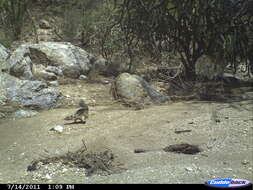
(12, 15)
(191, 28)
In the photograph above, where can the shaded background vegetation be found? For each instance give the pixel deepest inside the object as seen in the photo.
(186, 29)
(220, 29)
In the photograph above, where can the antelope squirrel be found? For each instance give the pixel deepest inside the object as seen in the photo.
(81, 114)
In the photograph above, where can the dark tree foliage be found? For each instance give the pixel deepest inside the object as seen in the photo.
(219, 28)
(13, 13)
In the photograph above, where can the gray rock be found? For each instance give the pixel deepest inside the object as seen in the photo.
(57, 128)
(27, 93)
(71, 72)
(72, 60)
(209, 67)
(135, 89)
(54, 83)
(4, 53)
(24, 113)
(245, 162)
(2, 115)
(3, 98)
(188, 169)
(19, 63)
(117, 65)
(70, 57)
(83, 77)
(44, 24)
(40, 73)
(101, 65)
(105, 82)
(56, 70)
(155, 96)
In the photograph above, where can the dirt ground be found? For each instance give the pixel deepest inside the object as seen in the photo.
(223, 131)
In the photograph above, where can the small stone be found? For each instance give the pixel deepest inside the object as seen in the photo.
(64, 170)
(209, 146)
(188, 169)
(83, 77)
(204, 155)
(245, 162)
(22, 154)
(44, 24)
(106, 82)
(55, 70)
(48, 177)
(54, 83)
(57, 128)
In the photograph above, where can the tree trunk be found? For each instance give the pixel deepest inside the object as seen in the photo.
(190, 73)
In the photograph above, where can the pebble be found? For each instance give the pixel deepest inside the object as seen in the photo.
(209, 146)
(48, 177)
(54, 83)
(64, 170)
(106, 82)
(245, 162)
(22, 154)
(83, 77)
(57, 128)
(188, 169)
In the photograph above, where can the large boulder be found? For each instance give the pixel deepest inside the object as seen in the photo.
(26, 93)
(210, 67)
(19, 64)
(133, 88)
(4, 53)
(71, 60)
(101, 65)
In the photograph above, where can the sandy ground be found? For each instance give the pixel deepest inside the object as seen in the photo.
(227, 143)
